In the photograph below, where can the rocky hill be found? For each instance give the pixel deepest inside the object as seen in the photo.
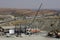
(44, 23)
(27, 12)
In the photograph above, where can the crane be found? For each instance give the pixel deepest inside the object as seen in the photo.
(36, 14)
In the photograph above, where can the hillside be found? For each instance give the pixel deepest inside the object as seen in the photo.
(42, 23)
(27, 12)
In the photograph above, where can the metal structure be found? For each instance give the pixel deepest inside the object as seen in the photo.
(35, 15)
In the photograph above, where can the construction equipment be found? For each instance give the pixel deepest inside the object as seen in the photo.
(54, 33)
(31, 29)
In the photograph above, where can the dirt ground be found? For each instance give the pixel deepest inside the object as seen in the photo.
(27, 37)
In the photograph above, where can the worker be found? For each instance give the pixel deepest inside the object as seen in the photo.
(17, 32)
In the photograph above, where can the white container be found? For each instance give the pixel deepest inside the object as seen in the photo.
(11, 31)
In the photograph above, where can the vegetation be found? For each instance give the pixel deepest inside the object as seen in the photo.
(1, 18)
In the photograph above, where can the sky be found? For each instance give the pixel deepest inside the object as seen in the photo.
(30, 4)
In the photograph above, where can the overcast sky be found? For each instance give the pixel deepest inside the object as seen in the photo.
(30, 4)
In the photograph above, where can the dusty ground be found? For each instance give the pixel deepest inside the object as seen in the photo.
(26, 37)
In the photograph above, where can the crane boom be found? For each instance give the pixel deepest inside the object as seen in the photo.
(36, 14)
